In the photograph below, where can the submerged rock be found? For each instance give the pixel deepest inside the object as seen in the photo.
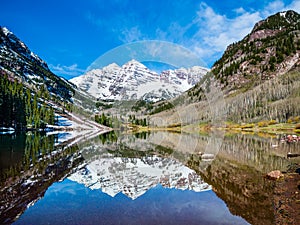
(274, 175)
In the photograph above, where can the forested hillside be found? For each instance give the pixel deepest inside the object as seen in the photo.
(257, 78)
(271, 49)
(21, 109)
(29, 91)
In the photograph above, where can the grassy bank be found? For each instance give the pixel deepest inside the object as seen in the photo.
(264, 127)
(260, 127)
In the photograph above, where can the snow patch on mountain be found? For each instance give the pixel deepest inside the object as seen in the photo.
(18, 62)
(6, 31)
(134, 81)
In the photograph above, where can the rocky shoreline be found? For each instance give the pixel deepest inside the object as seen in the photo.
(287, 197)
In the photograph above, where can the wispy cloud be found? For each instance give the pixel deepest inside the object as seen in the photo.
(240, 10)
(130, 35)
(295, 5)
(273, 7)
(66, 71)
(207, 33)
(216, 31)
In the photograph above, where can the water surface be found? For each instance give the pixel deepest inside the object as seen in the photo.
(145, 178)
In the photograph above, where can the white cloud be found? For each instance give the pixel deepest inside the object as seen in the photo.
(217, 31)
(295, 5)
(240, 10)
(69, 71)
(131, 35)
(273, 7)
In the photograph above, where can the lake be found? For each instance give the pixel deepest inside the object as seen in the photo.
(141, 178)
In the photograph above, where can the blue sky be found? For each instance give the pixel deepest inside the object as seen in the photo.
(71, 34)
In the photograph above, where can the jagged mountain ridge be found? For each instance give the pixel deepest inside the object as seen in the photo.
(272, 48)
(134, 81)
(134, 176)
(18, 62)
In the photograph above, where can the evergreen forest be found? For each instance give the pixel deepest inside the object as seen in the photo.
(23, 109)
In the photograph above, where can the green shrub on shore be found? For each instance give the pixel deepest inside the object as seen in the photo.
(297, 128)
(272, 122)
(263, 124)
(295, 119)
(247, 125)
(266, 123)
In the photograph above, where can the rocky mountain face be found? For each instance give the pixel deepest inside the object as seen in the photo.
(134, 81)
(271, 49)
(18, 62)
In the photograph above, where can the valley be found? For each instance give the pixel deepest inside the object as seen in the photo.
(127, 142)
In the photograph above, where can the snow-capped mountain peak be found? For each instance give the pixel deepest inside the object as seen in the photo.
(112, 66)
(134, 63)
(133, 80)
(15, 43)
(6, 31)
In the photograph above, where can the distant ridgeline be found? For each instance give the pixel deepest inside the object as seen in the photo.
(29, 91)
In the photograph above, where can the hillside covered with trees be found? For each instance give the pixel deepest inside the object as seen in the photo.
(256, 79)
(271, 49)
(21, 109)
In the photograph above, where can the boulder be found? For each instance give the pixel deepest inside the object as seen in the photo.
(274, 175)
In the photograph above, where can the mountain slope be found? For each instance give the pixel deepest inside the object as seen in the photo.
(134, 81)
(31, 96)
(271, 49)
(19, 63)
(257, 78)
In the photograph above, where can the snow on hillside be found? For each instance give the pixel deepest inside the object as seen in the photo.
(18, 62)
(74, 129)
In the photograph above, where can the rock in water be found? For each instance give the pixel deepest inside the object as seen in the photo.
(274, 175)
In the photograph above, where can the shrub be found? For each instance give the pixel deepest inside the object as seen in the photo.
(263, 124)
(272, 122)
(295, 119)
(248, 125)
(297, 128)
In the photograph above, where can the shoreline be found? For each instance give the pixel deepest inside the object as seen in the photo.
(278, 128)
(287, 197)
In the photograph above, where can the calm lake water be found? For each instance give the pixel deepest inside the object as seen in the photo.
(143, 178)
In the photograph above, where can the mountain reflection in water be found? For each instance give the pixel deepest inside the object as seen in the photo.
(134, 176)
(164, 173)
